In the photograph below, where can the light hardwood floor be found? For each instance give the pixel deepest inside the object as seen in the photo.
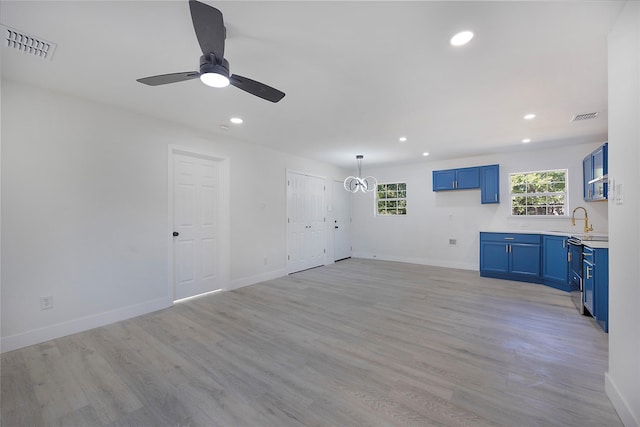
(357, 343)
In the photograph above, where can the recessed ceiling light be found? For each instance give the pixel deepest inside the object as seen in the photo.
(529, 116)
(403, 139)
(461, 38)
(224, 127)
(236, 120)
(526, 141)
(425, 154)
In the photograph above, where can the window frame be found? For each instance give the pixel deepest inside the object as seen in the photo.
(547, 193)
(376, 200)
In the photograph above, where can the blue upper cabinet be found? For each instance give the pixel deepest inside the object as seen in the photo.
(595, 170)
(444, 180)
(490, 184)
(456, 179)
(486, 178)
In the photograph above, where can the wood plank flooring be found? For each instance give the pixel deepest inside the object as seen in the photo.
(356, 343)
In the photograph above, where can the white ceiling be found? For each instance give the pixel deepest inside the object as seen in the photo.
(357, 75)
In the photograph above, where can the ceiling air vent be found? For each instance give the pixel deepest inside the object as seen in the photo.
(583, 116)
(28, 44)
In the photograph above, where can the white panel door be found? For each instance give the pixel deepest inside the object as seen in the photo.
(297, 226)
(316, 219)
(306, 231)
(196, 216)
(341, 222)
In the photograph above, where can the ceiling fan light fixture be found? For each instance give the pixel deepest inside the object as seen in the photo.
(214, 79)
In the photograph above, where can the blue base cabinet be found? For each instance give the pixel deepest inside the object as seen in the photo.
(510, 256)
(533, 258)
(595, 276)
(555, 262)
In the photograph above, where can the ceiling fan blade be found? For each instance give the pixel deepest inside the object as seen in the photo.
(164, 79)
(209, 27)
(256, 88)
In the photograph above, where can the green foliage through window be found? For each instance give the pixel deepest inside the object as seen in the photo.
(542, 193)
(391, 199)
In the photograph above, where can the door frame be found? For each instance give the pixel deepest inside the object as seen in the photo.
(224, 210)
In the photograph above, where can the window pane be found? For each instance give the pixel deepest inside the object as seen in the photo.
(392, 187)
(402, 186)
(557, 187)
(537, 201)
(557, 176)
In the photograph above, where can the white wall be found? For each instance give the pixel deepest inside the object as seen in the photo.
(435, 217)
(623, 377)
(85, 211)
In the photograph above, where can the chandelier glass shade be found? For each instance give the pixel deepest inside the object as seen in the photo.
(355, 183)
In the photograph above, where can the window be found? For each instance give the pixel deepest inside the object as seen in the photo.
(542, 193)
(391, 199)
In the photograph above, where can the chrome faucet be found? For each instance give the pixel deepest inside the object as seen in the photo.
(587, 228)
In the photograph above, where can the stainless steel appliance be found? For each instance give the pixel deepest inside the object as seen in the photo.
(575, 273)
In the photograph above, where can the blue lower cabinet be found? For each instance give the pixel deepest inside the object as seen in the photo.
(524, 257)
(555, 262)
(510, 256)
(595, 276)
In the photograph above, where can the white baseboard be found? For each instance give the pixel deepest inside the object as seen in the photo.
(252, 280)
(620, 403)
(420, 261)
(82, 324)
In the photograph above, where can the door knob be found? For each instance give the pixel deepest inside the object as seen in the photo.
(176, 234)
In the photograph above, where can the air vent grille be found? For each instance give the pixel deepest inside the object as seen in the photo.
(584, 116)
(28, 44)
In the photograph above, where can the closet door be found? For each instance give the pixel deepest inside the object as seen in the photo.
(306, 233)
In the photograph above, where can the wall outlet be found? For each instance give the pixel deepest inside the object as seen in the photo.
(266, 260)
(46, 302)
(453, 242)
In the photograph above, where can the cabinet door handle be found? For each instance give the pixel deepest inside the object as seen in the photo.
(568, 256)
(495, 196)
(589, 273)
(506, 248)
(509, 238)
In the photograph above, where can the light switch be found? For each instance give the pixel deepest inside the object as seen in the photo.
(618, 194)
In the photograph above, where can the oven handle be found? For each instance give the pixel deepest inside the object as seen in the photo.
(573, 241)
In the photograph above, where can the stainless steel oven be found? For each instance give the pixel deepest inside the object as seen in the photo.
(575, 273)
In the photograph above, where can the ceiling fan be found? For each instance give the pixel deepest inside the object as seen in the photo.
(214, 69)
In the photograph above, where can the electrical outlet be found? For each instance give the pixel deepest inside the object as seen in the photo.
(46, 302)
(266, 260)
(453, 242)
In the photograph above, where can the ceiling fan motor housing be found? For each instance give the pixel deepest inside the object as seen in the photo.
(211, 64)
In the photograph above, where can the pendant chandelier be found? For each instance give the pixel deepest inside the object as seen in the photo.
(353, 183)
